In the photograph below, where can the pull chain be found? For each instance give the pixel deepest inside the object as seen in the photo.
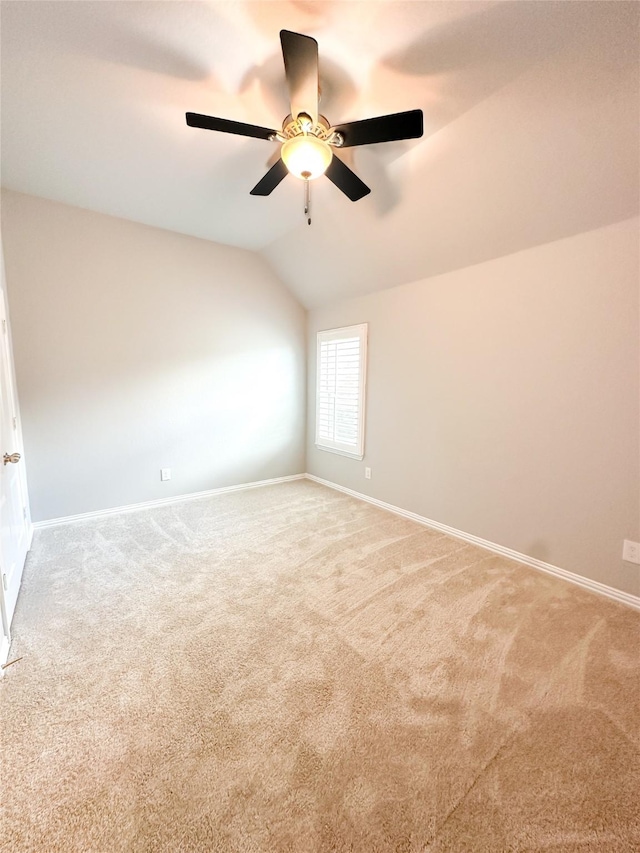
(307, 199)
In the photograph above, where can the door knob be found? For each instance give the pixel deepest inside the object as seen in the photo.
(11, 457)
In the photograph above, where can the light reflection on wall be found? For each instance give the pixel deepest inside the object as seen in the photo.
(245, 407)
(218, 421)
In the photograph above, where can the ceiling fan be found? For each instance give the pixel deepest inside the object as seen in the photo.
(308, 140)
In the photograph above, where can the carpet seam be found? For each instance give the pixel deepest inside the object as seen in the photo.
(480, 773)
(528, 714)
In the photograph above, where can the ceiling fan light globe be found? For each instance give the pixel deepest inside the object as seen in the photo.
(306, 157)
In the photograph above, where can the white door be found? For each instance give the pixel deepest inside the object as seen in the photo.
(15, 524)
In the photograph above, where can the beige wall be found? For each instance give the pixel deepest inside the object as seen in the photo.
(137, 349)
(502, 400)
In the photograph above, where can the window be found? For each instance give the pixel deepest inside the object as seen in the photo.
(341, 369)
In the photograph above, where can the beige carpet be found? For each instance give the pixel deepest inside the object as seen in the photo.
(289, 669)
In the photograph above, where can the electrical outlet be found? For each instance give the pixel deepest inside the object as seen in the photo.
(631, 551)
(367, 473)
(165, 473)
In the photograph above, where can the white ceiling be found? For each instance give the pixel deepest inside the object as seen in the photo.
(531, 125)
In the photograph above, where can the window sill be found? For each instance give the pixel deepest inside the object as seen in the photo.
(348, 454)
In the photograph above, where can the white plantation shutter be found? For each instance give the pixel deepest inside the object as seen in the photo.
(342, 355)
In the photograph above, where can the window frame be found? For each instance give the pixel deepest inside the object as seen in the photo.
(361, 331)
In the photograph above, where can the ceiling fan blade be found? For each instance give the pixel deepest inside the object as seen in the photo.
(389, 128)
(300, 54)
(226, 126)
(346, 180)
(271, 180)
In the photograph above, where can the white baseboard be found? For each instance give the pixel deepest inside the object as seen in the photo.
(116, 510)
(586, 583)
(5, 645)
(579, 580)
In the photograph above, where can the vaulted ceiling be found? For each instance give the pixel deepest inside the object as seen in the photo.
(531, 116)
